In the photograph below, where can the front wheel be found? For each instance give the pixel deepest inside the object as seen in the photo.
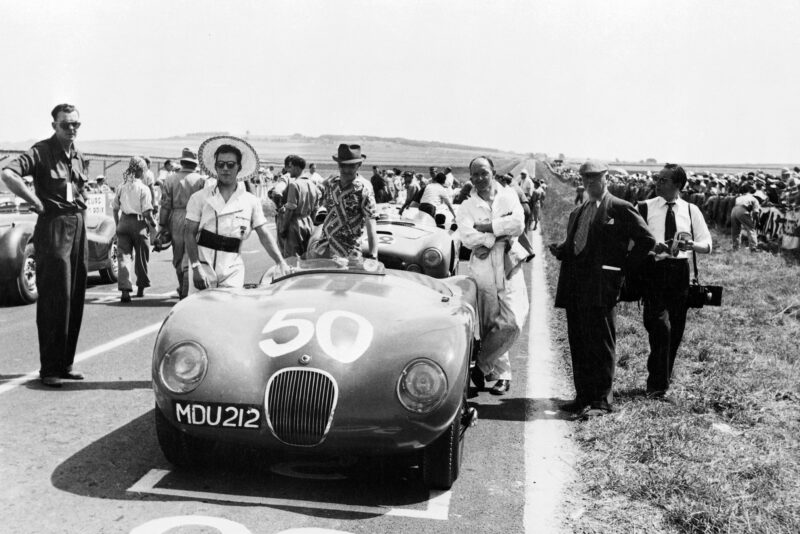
(441, 460)
(23, 288)
(109, 274)
(180, 449)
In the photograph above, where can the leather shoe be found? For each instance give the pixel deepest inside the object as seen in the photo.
(140, 292)
(71, 375)
(501, 387)
(655, 394)
(573, 406)
(126, 296)
(52, 381)
(477, 378)
(591, 412)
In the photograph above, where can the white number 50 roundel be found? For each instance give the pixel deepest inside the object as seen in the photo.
(345, 352)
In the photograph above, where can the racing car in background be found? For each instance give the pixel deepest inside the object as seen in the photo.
(17, 258)
(413, 241)
(337, 357)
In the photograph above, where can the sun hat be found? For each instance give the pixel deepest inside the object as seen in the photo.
(349, 154)
(187, 154)
(250, 163)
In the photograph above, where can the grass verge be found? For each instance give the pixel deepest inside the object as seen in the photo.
(723, 454)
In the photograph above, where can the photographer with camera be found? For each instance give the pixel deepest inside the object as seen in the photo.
(680, 230)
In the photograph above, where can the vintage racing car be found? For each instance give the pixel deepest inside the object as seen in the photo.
(17, 264)
(331, 359)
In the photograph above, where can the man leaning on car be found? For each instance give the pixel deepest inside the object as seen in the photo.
(490, 221)
(59, 240)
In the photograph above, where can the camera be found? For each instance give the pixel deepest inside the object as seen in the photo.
(701, 295)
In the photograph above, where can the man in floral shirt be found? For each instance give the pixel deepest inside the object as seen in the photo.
(350, 203)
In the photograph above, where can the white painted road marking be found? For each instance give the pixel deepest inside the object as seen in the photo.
(549, 454)
(438, 503)
(11, 384)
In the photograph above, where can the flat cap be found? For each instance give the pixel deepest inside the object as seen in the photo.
(591, 166)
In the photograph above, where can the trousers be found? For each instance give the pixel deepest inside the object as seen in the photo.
(592, 343)
(177, 223)
(742, 219)
(664, 317)
(62, 258)
(133, 244)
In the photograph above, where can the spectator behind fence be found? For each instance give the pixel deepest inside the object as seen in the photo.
(742, 218)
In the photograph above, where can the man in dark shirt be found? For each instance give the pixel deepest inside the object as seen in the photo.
(59, 240)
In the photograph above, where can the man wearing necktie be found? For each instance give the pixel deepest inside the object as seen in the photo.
(680, 229)
(593, 257)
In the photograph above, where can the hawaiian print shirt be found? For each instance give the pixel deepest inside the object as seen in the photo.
(348, 210)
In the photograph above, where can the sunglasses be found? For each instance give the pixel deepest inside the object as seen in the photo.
(67, 125)
(226, 164)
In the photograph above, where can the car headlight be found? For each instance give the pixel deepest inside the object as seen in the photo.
(432, 257)
(183, 367)
(422, 386)
(414, 268)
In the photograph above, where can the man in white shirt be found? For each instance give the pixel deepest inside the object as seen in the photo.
(134, 199)
(489, 220)
(680, 230)
(219, 219)
(744, 207)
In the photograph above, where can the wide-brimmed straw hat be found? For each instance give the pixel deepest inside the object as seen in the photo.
(250, 163)
(349, 154)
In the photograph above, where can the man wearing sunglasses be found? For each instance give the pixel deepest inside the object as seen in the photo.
(220, 218)
(59, 238)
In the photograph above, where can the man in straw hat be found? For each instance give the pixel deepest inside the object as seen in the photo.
(177, 189)
(350, 203)
(220, 218)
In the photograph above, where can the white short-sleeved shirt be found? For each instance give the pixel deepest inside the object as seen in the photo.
(235, 218)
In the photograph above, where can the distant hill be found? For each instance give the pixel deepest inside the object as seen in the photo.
(381, 151)
(107, 156)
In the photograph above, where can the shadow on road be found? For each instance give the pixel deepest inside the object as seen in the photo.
(146, 302)
(109, 466)
(523, 409)
(84, 385)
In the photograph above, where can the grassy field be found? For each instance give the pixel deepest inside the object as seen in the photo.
(723, 453)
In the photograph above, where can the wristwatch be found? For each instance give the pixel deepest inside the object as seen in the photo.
(195, 265)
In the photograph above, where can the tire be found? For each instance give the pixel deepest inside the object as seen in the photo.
(179, 449)
(109, 274)
(23, 288)
(441, 460)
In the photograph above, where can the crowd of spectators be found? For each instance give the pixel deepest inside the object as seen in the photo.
(777, 194)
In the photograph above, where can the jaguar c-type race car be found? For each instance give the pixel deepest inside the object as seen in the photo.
(334, 358)
(17, 259)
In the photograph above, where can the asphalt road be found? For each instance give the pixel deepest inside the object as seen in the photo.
(84, 459)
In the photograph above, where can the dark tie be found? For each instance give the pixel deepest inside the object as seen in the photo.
(670, 228)
(583, 226)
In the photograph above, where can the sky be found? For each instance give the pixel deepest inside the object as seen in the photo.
(679, 81)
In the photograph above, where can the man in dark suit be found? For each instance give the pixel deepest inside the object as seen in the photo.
(593, 258)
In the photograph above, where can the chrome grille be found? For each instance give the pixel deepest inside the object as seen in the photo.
(299, 404)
